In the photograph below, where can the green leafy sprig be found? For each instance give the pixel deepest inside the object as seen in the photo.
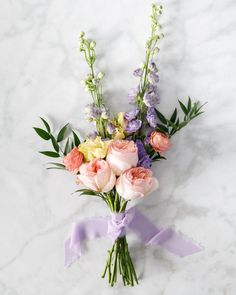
(62, 143)
(175, 123)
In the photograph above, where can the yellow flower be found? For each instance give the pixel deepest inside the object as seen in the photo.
(121, 120)
(119, 134)
(94, 148)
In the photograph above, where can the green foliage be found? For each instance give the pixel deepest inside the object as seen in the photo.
(42, 133)
(56, 166)
(67, 148)
(171, 126)
(87, 192)
(55, 144)
(50, 154)
(46, 125)
(76, 139)
(61, 147)
(61, 134)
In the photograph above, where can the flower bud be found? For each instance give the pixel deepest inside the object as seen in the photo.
(92, 44)
(100, 75)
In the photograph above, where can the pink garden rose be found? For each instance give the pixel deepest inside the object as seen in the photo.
(159, 141)
(97, 175)
(136, 183)
(73, 160)
(122, 155)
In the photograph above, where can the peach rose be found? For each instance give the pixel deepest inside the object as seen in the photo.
(97, 175)
(122, 155)
(136, 183)
(159, 141)
(73, 160)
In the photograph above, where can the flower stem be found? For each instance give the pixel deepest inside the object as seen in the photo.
(119, 259)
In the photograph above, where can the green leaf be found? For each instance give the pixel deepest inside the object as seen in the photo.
(183, 107)
(67, 147)
(76, 139)
(42, 133)
(50, 154)
(61, 134)
(189, 104)
(173, 116)
(46, 124)
(86, 192)
(49, 168)
(57, 164)
(198, 114)
(163, 128)
(193, 110)
(173, 131)
(161, 117)
(183, 124)
(54, 143)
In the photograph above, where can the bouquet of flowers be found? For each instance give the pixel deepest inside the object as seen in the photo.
(114, 163)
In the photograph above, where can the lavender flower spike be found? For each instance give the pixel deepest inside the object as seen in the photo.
(92, 112)
(152, 117)
(131, 115)
(138, 72)
(133, 126)
(110, 128)
(143, 158)
(132, 95)
(153, 67)
(153, 78)
(151, 98)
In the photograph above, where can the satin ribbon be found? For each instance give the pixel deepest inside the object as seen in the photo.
(116, 226)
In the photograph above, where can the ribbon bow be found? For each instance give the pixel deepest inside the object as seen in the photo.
(116, 225)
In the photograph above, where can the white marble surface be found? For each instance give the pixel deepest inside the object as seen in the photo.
(40, 72)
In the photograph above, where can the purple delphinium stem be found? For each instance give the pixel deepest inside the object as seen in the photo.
(152, 117)
(131, 115)
(143, 158)
(133, 126)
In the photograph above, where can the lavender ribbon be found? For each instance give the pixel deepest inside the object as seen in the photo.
(116, 225)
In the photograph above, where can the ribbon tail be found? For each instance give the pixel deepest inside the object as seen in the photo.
(175, 242)
(82, 231)
(167, 238)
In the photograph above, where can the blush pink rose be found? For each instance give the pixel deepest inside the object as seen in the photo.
(73, 160)
(97, 175)
(136, 183)
(122, 155)
(159, 141)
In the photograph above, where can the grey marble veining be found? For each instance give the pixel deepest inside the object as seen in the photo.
(40, 71)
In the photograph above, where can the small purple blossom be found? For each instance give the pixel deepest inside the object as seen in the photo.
(153, 67)
(148, 136)
(143, 158)
(151, 97)
(92, 135)
(110, 128)
(92, 111)
(145, 162)
(132, 95)
(133, 126)
(153, 78)
(129, 116)
(152, 117)
(138, 72)
(104, 112)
